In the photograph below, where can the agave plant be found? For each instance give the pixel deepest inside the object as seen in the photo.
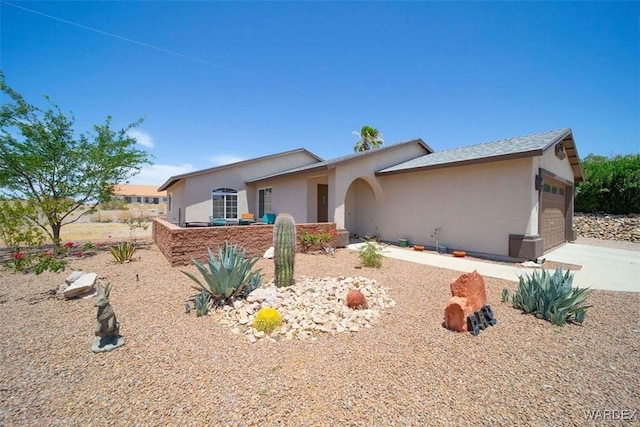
(228, 275)
(202, 304)
(123, 252)
(550, 296)
(505, 295)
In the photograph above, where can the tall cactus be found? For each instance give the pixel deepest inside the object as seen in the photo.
(284, 242)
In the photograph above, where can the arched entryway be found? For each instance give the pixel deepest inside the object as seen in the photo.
(361, 207)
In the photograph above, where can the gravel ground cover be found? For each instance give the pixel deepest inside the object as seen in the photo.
(406, 370)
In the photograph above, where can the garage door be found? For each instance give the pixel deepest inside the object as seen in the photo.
(554, 208)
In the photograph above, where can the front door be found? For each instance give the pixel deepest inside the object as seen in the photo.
(323, 203)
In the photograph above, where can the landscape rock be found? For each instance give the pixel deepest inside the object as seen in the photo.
(83, 285)
(75, 275)
(469, 296)
(608, 227)
(308, 308)
(269, 253)
(262, 295)
(60, 293)
(470, 286)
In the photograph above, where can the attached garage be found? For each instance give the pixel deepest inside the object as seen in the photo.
(553, 215)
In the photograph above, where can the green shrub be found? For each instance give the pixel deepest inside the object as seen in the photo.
(371, 254)
(550, 296)
(611, 185)
(123, 252)
(20, 262)
(17, 231)
(114, 204)
(229, 275)
(316, 237)
(267, 320)
(53, 261)
(141, 222)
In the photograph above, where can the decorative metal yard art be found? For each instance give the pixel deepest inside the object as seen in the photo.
(481, 320)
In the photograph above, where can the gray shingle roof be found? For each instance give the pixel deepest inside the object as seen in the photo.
(342, 159)
(177, 178)
(521, 146)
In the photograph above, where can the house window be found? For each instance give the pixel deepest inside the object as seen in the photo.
(169, 202)
(264, 201)
(225, 203)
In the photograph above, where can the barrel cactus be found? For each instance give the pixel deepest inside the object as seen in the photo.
(267, 320)
(356, 300)
(284, 243)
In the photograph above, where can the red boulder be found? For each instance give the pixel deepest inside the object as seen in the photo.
(469, 296)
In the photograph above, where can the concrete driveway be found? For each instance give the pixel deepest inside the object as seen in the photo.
(602, 268)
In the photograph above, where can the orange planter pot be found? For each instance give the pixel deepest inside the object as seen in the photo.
(459, 254)
(418, 248)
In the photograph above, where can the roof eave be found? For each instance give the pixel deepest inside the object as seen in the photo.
(172, 180)
(510, 156)
(570, 148)
(169, 183)
(282, 175)
(573, 157)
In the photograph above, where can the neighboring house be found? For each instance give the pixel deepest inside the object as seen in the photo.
(142, 194)
(512, 197)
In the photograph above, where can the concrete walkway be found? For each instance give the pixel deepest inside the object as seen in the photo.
(602, 268)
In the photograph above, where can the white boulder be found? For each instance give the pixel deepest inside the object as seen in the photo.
(73, 277)
(262, 295)
(269, 253)
(81, 286)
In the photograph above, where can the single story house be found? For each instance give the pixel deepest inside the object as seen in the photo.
(508, 198)
(142, 194)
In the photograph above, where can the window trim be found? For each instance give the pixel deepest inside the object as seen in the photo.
(228, 195)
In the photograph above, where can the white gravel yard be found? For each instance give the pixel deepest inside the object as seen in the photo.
(405, 370)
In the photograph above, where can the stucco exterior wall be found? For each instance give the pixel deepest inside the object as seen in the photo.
(175, 215)
(287, 196)
(476, 207)
(193, 193)
(365, 168)
(560, 167)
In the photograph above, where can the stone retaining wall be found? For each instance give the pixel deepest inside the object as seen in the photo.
(179, 245)
(608, 227)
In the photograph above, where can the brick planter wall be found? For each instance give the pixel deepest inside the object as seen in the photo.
(179, 245)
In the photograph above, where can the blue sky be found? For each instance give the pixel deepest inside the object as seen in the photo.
(225, 81)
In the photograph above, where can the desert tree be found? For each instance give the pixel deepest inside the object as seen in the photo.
(369, 138)
(51, 171)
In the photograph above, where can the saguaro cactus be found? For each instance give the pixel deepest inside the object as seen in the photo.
(284, 242)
